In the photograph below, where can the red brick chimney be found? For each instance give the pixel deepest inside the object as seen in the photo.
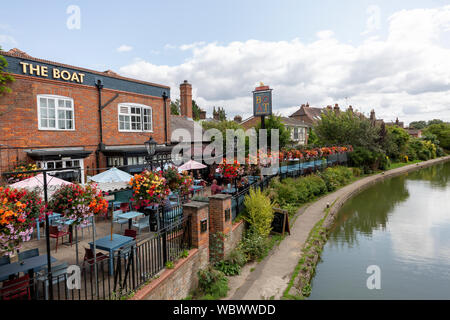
(202, 115)
(186, 99)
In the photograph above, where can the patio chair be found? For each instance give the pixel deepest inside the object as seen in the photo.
(142, 223)
(89, 257)
(130, 233)
(16, 289)
(84, 226)
(4, 260)
(118, 220)
(125, 206)
(59, 274)
(56, 233)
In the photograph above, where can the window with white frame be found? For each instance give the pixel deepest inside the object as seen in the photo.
(55, 113)
(135, 117)
(295, 133)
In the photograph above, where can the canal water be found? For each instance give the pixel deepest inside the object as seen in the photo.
(401, 225)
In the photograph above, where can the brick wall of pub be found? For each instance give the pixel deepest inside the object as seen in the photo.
(19, 119)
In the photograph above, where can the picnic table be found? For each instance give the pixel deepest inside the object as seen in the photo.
(106, 244)
(130, 215)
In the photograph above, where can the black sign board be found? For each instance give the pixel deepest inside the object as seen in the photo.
(280, 222)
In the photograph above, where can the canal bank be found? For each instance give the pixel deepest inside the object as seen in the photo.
(271, 277)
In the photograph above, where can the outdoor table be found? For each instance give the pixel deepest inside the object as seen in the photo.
(196, 189)
(229, 190)
(106, 244)
(130, 215)
(28, 265)
(52, 216)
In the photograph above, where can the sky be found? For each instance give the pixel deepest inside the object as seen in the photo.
(390, 56)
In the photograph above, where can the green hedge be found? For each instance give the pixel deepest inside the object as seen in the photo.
(301, 190)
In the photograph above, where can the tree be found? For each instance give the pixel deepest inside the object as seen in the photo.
(347, 128)
(195, 110)
(175, 107)
(274, 122)
(4, 77)
(313, 139)
(442, 132)
(435, 121)
(222, 126)
(418, 125)
(396, 142)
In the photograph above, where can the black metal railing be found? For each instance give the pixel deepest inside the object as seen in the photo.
(293, 170)
(109, 278)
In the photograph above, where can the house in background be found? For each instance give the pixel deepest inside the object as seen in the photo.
(298, 128)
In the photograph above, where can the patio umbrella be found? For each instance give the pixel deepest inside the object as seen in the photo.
(112, 175)
(37, 181)
(191, 165)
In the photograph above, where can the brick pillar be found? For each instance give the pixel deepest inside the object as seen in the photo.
(220, 225)
(198, 211)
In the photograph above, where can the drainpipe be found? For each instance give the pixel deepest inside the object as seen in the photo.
(164, 96)
(100, 147)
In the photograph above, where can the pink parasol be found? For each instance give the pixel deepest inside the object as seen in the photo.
(37, 181)
(191, 165)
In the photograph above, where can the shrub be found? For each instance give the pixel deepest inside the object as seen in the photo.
(259, 212)
(212, 283)
(238, 257)
(228, 268)
(253, 245)
(356, 172)
(315, 185)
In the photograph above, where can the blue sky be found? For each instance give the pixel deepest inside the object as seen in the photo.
(155, 31)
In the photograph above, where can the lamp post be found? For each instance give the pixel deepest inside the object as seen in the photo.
(150, 145)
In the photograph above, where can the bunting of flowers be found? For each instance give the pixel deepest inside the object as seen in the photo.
(19, 211)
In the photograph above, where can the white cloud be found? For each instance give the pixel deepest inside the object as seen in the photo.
(124, 48)
(7, 42)
(405, 75)
(190, 46)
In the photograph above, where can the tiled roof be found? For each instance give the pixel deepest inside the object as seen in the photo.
(293, 122)
(181, 122)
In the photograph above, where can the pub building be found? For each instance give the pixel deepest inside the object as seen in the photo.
(61, 116)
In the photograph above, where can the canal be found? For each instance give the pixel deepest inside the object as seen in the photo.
(401, 225)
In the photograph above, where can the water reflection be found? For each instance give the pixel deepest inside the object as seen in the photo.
(360, 216)
(402, 225)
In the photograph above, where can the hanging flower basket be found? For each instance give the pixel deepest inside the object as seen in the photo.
(19, 212)
(22, 176)
(78, 203)
(230, 170)
(149, 187)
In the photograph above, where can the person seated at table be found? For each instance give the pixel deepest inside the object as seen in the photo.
(215, 188)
